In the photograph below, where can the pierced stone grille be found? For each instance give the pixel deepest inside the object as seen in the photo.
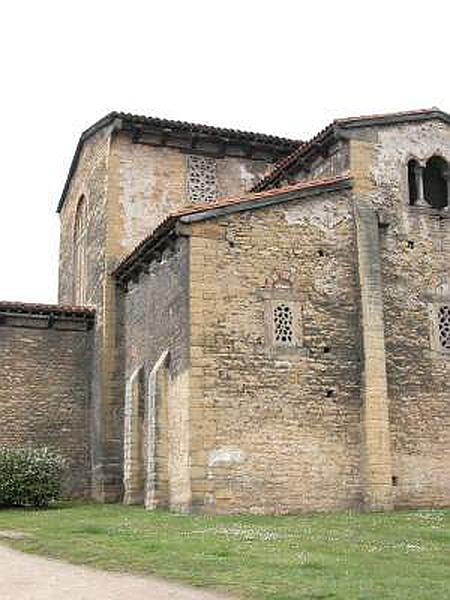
(283, 322)
(444, 326)
(201, 179)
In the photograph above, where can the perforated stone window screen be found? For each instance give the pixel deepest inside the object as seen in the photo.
(443, 326)
(201, 179)
(283, 322)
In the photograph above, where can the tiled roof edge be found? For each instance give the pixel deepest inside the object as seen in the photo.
(97, 126)
(226, 206)
(178, 126)
(332, 132)
(424, 114)
(185, 126)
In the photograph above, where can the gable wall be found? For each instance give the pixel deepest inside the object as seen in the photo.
(335, 163)
(89, 180)
(265, 435)
(150, 182)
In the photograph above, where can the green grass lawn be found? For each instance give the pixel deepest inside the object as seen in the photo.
(344, 556)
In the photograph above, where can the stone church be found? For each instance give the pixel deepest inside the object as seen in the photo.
(246, 323)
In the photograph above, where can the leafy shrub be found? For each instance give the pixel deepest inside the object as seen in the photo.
(30, 476)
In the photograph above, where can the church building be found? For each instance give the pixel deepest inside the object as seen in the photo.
(245, 323)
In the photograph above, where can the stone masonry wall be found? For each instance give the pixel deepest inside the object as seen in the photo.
(129, 189)
(92, 180)
(335, 163)
(276, 430)
(89, 181)
(151, 182)
(156, 322)
(415, 245)
(44, 391)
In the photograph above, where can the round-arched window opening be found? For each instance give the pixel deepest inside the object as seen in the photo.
(80, 219)
(435, 182)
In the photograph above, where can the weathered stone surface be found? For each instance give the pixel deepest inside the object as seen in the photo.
(44, 391)
(156, 341)
(293, 417)
(129, 189)
(281, 358)
(415, 272)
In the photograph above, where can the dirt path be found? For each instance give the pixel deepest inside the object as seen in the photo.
(26, 577)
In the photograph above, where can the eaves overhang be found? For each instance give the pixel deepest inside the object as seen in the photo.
(202, 139)
(49, 314)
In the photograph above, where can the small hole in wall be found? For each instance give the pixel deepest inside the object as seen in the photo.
(330, 393)
(410, 244)
(231, 243)
(326, 349)
(394, 480)
(320, 252)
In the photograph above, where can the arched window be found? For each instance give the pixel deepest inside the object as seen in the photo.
(79, 242)
(413, 167)
(435, 182)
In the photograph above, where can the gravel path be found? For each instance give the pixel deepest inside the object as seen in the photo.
(27, 577)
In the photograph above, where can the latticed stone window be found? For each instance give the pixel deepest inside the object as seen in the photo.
(201, 179)
(444, 326)
(283, 324)
(283, 320)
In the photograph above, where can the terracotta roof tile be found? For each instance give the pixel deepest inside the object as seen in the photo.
(210, 130)
(250, 197)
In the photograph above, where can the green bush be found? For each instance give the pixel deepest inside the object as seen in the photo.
(30, 476)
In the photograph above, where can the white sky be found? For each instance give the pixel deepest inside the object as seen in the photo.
(285, 67)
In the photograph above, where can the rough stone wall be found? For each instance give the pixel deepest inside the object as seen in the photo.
(90, 180)
(129, 189)
(156, 321)
(335, 163)
(44, 391)
(276, 430)
(151, 182)
(415, 245)
(94, 179)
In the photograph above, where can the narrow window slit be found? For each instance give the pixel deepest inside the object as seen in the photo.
(413, 165)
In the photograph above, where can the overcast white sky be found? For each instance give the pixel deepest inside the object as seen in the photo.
(282, 67)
